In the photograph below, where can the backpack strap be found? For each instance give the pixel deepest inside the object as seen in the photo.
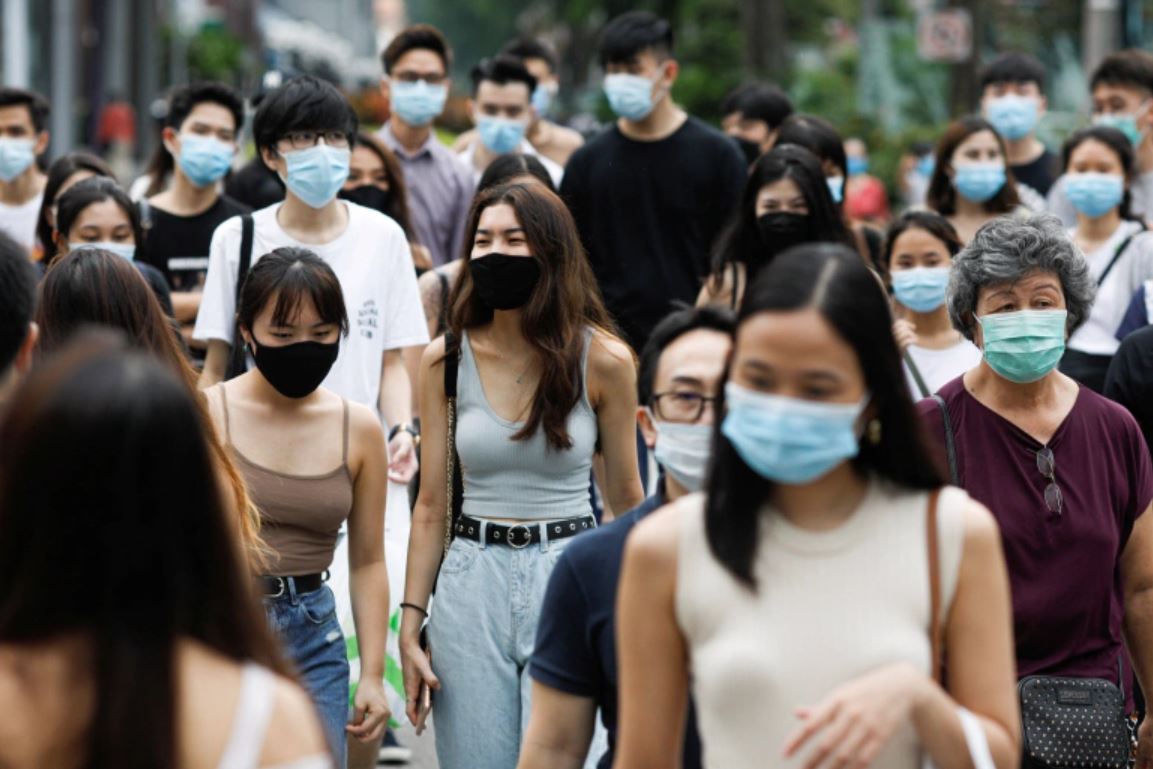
(1118, 253)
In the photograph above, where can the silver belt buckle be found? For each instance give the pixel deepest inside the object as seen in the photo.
(281, 583)
(527, 536)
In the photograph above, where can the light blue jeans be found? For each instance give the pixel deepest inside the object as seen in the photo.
(481, 637)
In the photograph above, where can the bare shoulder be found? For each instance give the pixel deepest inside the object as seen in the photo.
(362, 422)
(294, 731)
(567, 138)
(653, 542)
(433, 355)
(981, 534)
(609, 355)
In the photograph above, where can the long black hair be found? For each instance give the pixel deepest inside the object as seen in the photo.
(741, 242)
(1121, 147)
(111, 554)
(833, 280)
(62, 169)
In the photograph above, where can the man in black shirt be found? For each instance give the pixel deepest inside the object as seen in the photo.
(651, 193)
(200, 134)
(1130, 379)
(1013, 100)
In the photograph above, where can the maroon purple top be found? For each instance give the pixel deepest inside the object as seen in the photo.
(1064, 570)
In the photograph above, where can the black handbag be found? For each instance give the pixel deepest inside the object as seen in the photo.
(1074, 722)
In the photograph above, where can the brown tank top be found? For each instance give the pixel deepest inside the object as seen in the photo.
(300, 515)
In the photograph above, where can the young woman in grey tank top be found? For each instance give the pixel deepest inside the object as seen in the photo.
(542, 385)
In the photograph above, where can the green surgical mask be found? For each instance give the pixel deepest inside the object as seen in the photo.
(1024, 346)
(1126, 124)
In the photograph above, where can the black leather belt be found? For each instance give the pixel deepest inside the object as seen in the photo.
(521, 535)
(274, 587)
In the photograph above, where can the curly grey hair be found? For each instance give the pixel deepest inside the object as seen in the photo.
(1007, 249)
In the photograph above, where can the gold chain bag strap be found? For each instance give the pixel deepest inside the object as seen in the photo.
(452, 480)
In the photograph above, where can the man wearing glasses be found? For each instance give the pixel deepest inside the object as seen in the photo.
(574, 667)
(440, 186)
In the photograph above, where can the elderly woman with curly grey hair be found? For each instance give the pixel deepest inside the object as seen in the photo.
(1065, 472)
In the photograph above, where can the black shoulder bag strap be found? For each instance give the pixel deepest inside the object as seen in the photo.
(916, 372)
(950, 444)
(454, 486)
(236, 362)
(1117, 255)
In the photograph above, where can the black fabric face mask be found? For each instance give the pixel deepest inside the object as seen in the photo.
(504, 282)
(369, 196)
(295, 370)
(781, 230)
(750, 149)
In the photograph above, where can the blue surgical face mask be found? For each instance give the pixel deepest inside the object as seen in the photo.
(926, 164)
(630, 96)
(836, 188)
(204, 159)
(979, 182)
(123, 250)
(1094, 194)
(1126, 124)
(683, 451)
(857, 165)
(542, 97)
(317, 173)
(15, 157)
(500, 135)
(787, 440)
(1013, 116)
(921, 289)
(1024, 346)
(419, 103)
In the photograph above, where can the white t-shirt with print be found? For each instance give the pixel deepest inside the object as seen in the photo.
(373, 262)
(1133, 268)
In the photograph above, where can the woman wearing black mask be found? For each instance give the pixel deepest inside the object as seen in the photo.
(287, 434)
(541, 384)
(786, 201)
(376, 181)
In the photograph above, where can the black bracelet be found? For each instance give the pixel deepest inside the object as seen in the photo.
(405, 605)
(408, 428)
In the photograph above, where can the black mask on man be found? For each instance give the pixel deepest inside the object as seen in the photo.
(504, 282)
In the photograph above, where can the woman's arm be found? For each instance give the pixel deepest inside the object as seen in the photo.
(613, 393)
(1137, 579)
(653, 660)
(426, 541)
(718, 289)
(368, 573)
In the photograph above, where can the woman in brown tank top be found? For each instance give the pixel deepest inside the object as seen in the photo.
(312, 461)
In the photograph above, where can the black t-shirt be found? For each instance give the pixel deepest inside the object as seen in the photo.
(255, 185)
(159, 286)
(1130, 379)
(178, 245)
(648, 213)
(575, 641)
(1038, 174)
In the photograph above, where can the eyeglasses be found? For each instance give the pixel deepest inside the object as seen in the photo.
(414, 77)
(1047, 466)
(686, 407)
(302, 140)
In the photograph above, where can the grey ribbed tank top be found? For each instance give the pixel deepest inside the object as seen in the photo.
(525, 480)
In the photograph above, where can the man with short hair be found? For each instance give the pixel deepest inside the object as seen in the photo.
(651, 193)
(502, 110)
(574, 666)
(1013, 101)
(753, 114)
(1122, 92)
(200, 134)
(18, 333)
(23, 138)
(416, 84)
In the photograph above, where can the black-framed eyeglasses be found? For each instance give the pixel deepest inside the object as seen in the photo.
(681, 406)
(301, 140)
(1047, 466)
(416, 77)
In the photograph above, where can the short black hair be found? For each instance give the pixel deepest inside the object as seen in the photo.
(632, 33)
(1131, 67)
(531, 48)
(513, 165)
(759, 101)
(303, 103)
(1014, 67)
(502, 70)
(675, 325)
(185, 99)
(38, 108)
(17, 298)
(817, 135)
(417, 37)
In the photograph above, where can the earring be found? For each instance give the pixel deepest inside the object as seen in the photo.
(874, 431)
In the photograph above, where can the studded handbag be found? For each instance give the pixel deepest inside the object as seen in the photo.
(1073, 722)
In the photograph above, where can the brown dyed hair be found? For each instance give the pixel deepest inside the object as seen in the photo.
(92, 287)
(941, 196)
(566, 302)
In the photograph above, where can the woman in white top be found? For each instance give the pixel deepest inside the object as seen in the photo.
(799, 591)
(918, 255)
(129, 631)
(1098, 170)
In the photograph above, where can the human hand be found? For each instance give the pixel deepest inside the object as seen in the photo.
(905, 333)
(419, 681)
(402, 460)
(370, 711)
(1144, 746)
(856, 721)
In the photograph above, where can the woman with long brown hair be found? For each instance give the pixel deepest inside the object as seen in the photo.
(541, 384)
(93, 287)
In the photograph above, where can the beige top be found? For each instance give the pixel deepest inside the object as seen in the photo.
(830, 606)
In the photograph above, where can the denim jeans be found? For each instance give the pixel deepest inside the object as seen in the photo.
(307, 626)
(481, 637)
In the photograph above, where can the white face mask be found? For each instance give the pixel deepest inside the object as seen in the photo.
(683, 450)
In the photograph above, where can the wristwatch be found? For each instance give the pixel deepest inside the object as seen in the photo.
(408, 428)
